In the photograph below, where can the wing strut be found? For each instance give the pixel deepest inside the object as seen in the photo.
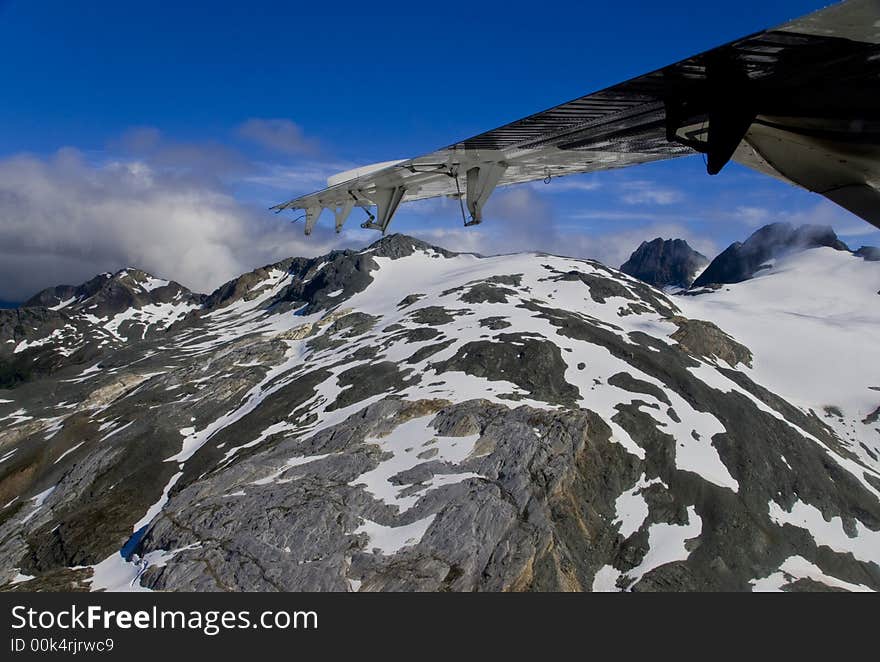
(481, 181)
(387, 201)
(341, 212)
(726, 99)
(312, 214)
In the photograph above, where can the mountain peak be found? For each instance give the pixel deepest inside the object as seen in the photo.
(665, 263)
(401, 245)
(740, 261)
(128, 287)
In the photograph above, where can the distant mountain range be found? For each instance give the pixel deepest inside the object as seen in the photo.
(740, 261)
(404, 417)
(672, 263)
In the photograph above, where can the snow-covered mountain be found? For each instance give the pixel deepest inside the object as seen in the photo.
(407, 418)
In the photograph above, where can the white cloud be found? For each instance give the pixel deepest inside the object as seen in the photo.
(753, 216)
(278, 135)
(639, 192)
(826, 212)
(204, 162)
(63, 220)
(614, 215)
(821, 212)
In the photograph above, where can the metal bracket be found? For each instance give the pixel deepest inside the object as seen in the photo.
(481, 181)
(387, 201)
(341, 212)
(312, 214)
(725, 103)
(727, 127)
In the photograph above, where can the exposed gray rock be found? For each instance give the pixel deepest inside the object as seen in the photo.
(707, 340)
(665, 263)
(534, 365)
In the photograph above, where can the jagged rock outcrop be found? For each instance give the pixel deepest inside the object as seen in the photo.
(665, 263)
(740, 261)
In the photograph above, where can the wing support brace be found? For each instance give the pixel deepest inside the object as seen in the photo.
(727, 127)
(312, 214)
(481, 181)
(342, 212)
(387, 200)
(729, 106)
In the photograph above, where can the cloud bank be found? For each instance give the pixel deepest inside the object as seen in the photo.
(63, 219)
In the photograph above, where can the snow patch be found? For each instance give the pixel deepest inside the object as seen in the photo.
(391, 539)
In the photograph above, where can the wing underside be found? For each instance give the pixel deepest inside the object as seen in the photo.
(800, 102)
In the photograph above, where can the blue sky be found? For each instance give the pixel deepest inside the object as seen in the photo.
(115, 114)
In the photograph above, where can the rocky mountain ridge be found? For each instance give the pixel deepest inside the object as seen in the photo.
(408, 418)
(740, 261)
(673, 264)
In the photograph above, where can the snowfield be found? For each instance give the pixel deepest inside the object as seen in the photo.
(812, 321)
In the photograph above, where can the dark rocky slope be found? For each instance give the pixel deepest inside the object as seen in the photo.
(740, 261)
(665, 263)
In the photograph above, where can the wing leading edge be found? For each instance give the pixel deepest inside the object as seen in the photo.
(800, 102)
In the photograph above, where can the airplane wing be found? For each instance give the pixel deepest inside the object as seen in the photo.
(800, 102)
